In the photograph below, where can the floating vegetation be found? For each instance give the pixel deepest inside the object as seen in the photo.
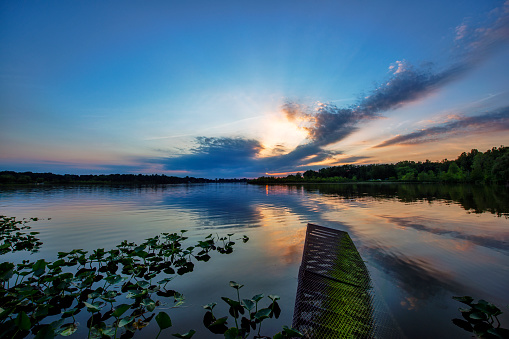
(247, 315)
(43, 298)
(480, 318)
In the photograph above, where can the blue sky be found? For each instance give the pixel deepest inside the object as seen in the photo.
(240, 89)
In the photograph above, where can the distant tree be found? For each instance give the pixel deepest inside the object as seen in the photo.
(500, 170)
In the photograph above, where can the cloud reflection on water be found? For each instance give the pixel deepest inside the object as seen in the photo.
(421, 239)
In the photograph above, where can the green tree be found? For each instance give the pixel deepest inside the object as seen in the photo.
(455, 173)
(477, 168)
(500, 169)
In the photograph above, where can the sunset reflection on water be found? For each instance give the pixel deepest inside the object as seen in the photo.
(419, 251)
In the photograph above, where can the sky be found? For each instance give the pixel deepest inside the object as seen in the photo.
(223, 89)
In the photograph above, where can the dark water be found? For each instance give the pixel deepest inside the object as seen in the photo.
(422, 244)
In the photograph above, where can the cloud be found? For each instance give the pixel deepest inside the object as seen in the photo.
(474, 44)
(238, 156)
(420, 225)
(216, 154)
(406, 86)
(353, 159)
(327, 124)
(460, 31)
(497, 120)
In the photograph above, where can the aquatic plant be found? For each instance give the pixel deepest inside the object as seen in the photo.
(43, 298)
(247, 315)
(480, 318)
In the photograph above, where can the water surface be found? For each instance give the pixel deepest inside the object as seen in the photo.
(422, 243)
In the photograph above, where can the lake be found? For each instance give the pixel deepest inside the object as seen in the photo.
(422, 243)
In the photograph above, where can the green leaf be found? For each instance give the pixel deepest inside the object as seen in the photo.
(120, 310)
(114, 279)
(109, 332)
(95, 307)
(149, 304)
(235, 285)
(125, 321)
(165, 280)
(499, 332)
(274, 297)
(257, 297)
(143, 284)
(292, 332)
(465, 310)
(487, 308)
(23, 321)
(68, 329)
(219, 321)
(39, 267)
(179, 299)
(248, 304)
(232, 333)
(6, 271)
(276, 310)
(133, 294)
(4, 312)
(478, 316)
(45, 332)
(57, 323)
(42, 311)
(262, 314)
(466, 299)
(163, 320)
(56, 264)
(231, 302)
(70, 312)
(209, 306)
(185, 335)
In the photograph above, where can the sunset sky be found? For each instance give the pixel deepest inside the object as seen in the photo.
(222, 89)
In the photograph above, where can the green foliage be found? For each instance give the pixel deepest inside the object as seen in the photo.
(10, 177)
(480, 318)
(33, 293)
(500, 169)
(491, 166)
(13, 238)
(247, 315)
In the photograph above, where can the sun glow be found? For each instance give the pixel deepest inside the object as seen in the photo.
(279, 135)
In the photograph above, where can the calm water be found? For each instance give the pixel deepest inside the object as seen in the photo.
(422, 243)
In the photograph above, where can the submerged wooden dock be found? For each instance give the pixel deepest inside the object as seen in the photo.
(335, 296)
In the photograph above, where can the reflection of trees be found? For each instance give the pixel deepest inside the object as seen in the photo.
(416, 277)
(485, 241)
(474, 198)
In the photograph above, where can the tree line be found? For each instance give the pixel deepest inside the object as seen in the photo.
(490, 167)
(10, 177)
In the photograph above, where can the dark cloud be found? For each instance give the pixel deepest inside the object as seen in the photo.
(302, 155)
(406, 85)
(237, 156)
(353, 159)
(327, 123)
(496, 120)
(217, 154)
